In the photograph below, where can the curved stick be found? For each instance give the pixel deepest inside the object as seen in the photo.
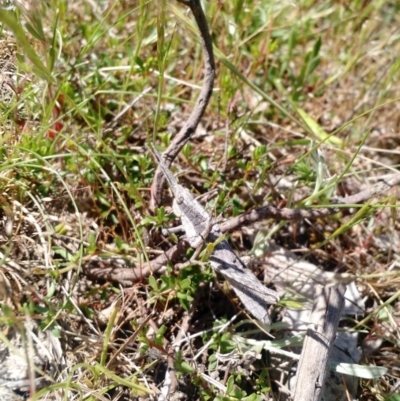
(380, 189)
(127, 276)
(191, 124)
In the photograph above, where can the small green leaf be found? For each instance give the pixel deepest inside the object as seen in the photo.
(289, 303)
(51, 289)
(60, 228)
(230, 383)
(185, 284)
(316, 129)
(185, 297)
(153, 283)
(317, 47)
(102, 199)
(62, 253)
(204, 164)
(187, 368)
(259, 151)
(159, 339)
(92, 239)
(385, 313)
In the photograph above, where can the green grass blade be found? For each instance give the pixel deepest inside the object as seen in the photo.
(10, 20)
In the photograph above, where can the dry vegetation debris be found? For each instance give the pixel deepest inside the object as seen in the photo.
(86, 270)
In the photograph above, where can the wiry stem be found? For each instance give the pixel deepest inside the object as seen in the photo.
(127, 276)
(193, 121)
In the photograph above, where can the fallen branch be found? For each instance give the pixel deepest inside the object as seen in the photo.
(128, 276)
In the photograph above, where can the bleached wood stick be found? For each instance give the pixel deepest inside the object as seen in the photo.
(318, 343)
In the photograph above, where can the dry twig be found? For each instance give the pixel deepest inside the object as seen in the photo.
(192, 122)
(269, 212)
(128, 276)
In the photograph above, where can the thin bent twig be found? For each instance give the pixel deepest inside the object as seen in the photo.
(269, 212)
(128, 276)
(192, 122)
